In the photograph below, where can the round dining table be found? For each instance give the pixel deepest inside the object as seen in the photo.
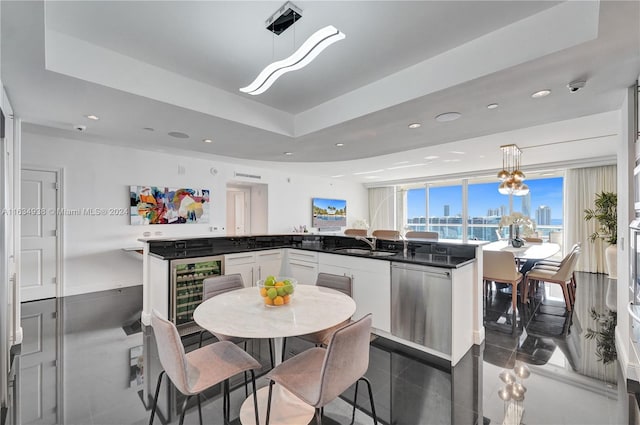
(242, 313)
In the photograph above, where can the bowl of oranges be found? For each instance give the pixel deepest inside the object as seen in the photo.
(277, 291)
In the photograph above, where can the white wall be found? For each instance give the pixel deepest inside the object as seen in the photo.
(99, 176)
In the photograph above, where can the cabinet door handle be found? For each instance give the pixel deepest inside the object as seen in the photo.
(240, 257)
(303, 265)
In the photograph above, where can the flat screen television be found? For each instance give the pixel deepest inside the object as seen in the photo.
(329, 213)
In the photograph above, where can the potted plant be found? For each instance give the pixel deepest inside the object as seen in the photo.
(606, 214)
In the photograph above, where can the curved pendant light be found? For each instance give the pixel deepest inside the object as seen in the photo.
(311, 48)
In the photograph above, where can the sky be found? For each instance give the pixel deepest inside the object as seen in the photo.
(485, 196)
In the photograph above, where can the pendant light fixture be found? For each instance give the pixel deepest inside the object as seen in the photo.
(510, 175)
(311, 48)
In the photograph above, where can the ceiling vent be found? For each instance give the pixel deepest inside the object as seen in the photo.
(284, 17)
(249, 176)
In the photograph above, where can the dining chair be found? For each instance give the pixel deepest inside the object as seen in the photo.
(533, 240)
(393, 235)
(319, 375)
(356, 232)
(421, 235)
(500, 267)
(340, 283)
(555, 266)
(562, 276)
(196, 371)
(217, 285)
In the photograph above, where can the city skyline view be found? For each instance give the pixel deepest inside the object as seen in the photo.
(485, 198)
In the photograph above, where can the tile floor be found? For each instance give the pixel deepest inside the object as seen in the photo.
(94, 381)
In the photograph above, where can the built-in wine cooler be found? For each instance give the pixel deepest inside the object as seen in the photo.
(187, 276)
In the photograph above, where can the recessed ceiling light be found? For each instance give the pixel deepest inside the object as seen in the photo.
(448, 116)
(337, 175)
(149, 129)
(457, 152)
(541, 93)
(207, 140)
(288, 153)
(368, 172)
(415, 125)
(492, 106)
(431, 157)
(93, 117)
(339, 145)
(178, 135)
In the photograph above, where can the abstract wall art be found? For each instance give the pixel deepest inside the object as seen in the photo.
(165, 205)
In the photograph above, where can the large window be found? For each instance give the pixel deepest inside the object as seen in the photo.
(445, 211)
(439, 207)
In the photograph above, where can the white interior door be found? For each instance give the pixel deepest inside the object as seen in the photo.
(38, 364)
(39, 243)
(239, 211)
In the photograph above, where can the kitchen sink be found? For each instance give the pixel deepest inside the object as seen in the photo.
(362, 251)
(382, 253)
(358, 251)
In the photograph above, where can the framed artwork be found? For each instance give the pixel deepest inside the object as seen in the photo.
(329, 213)
(164, 205)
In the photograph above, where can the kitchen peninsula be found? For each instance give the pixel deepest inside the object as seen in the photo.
(426, 295)
(431, 288)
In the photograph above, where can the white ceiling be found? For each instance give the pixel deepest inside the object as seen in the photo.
(177, 66)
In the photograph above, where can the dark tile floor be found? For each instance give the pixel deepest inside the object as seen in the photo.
(93, 380)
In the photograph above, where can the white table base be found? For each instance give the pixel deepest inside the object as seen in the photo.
(286, 408)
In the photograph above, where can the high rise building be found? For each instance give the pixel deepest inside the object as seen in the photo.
(543, 215)
(526, 205)
(446, 211)
(503, 210)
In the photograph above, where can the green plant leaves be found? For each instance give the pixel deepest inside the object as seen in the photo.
(606, 214)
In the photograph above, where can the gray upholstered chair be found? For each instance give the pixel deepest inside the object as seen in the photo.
(217, 285)
(196, 371)
(562, 276)
(319, 375)
(340, 283)
(356, 232)
(500, 267)
(421, 235)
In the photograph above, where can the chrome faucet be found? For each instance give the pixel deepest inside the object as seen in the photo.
(405, 243)
(371, 243)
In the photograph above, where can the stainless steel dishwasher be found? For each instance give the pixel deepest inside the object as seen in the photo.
(421, 305)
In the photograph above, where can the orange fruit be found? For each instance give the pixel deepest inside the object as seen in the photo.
(263, 292)
(279, 284)
(286, 299)
(278, 300)
(268, 301)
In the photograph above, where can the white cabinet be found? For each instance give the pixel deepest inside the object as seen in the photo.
(242, 263)
(371, 285)
(268, 263)
(254, 266)
(302, 265)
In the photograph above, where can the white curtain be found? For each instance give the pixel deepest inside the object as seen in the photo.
(382, 208)
(581, 187)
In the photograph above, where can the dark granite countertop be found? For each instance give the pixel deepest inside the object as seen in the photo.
(429, 253)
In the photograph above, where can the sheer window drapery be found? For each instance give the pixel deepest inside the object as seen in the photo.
(581, 187)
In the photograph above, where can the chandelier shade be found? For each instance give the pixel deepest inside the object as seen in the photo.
(511, 176)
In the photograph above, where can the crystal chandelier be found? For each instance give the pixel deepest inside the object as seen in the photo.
(510, 175)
